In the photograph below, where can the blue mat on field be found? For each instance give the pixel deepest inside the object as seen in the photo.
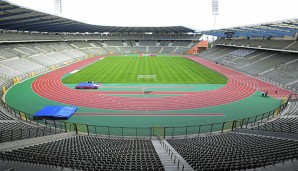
(84, 85)
(56, 112)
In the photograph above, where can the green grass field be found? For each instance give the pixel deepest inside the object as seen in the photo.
(125, 69)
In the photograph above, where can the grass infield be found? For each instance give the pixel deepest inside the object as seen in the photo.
(125, 69)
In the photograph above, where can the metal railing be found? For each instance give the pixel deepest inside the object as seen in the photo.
(25, 133)
(285, 127)
(148, 132)
(172, 155)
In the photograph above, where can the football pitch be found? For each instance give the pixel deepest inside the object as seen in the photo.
(145, 69)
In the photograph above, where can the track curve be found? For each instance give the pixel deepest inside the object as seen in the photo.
(239, 86)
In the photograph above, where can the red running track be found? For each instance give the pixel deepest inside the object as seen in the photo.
(239, 86)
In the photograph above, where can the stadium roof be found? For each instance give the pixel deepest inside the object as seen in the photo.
(14, 17)
(272, 29)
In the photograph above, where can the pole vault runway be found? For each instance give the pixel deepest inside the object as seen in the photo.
(239, 86)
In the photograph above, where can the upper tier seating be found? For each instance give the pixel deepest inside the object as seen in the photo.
(181, 43)
(81, 44)
(6, 37)
(6, 53)
(147, 43)
(164, 43)
(260, 43)
(114, 43)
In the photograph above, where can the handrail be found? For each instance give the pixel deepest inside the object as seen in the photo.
(171, 153)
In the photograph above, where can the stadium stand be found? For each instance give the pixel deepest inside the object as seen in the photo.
(90, 153)
(147, 43)
(288, 125)
(242, 52)
(112, 50)
(87, 51)
(140, 49)
(23, 65)
(15, 130)
(293, 46)
(277, 66)
(39, 51)
(6, 54)
(180, 50)
(60, 57)
(126, 50)
(98, 50)
(114, 43)
(233, 151)
(154, 49)
(168, 50)
(12, 129)
(44, 59)
(9, 72)
(258, 43)
(81, 44)
(4, 116)
(181, 43)
(292, 109)
(286, 122)
(164, 43)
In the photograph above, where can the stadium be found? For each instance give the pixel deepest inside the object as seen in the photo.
(78, 96)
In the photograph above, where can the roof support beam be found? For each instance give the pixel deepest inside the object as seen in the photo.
(18, 20)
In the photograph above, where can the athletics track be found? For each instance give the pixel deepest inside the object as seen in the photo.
(239, 86)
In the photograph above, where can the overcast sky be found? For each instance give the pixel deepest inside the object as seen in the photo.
(195, 14)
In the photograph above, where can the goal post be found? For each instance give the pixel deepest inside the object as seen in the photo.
(140, 77)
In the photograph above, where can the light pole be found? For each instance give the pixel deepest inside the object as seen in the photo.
(215, 13)
(57, 7)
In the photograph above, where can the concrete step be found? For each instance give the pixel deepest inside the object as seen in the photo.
(166, 160)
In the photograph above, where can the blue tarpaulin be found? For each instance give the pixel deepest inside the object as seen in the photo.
(84, 85)
(56, 112)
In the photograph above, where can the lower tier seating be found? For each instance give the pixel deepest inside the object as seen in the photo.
(233, 151)
(90, 153)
